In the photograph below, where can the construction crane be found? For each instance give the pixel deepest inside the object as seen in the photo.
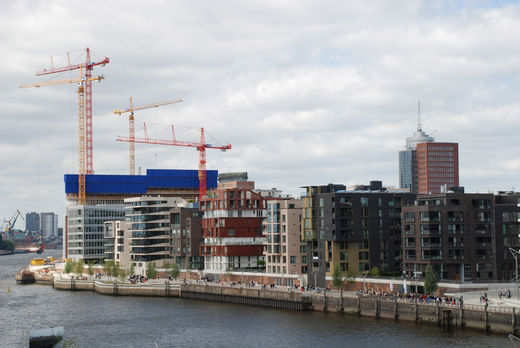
(9, 224)
(201, 146)
(87, 68)
(131, 125)
(81, 122)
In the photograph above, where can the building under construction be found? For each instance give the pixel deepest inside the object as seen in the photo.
(104, 201)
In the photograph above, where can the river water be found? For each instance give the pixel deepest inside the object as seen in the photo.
(93, 320)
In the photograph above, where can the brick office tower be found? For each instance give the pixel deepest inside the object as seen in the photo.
(232, 227)
(437, 166)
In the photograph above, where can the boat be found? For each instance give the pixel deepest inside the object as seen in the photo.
(47, 337)
(25, 277)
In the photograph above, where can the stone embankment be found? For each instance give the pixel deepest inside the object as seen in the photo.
(485, 318)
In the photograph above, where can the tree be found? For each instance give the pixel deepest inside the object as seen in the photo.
(115, 269)
(90, 270)
(151, 272)
(175, 271)
(132, 268)
(166, 265)
(338, 280)
(261, 263)
(68, 266)
(430, 281)
(122, 274)
(79, 267)
(107, 267)
(374, 272)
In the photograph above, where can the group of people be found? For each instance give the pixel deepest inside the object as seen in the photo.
(137, 279)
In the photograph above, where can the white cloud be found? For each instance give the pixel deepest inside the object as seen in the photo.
(306, 92)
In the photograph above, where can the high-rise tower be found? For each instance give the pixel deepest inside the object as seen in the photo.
(408, 156)
(426, 166)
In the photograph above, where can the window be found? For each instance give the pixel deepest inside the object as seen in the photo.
(409, 217)
(293, 259)
(303, 248)
(231, 232)
(364, 201)
(304, 259)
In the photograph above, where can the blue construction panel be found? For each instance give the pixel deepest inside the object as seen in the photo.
(138, 184)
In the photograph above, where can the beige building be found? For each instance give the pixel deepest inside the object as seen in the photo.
(285, 252)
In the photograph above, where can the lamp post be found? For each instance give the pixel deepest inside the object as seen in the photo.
(515, 254)
(416, 277)
(364, 274)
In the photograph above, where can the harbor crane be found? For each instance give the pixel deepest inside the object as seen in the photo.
(9, 224)
(81, 81)
(200, 146)
(131, 125)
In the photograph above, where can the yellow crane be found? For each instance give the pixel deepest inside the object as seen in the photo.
(131, 125)
(81, 123)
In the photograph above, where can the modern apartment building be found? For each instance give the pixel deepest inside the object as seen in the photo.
(85, 231)
(464, 237)
(117, 237)
(356, 229)
(150, 229)
(285, 252)
(232, 228)
(186, 237)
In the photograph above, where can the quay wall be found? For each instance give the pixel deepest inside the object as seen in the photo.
(483, 318)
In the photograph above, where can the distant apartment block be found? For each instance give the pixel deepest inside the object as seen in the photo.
(32, 223)
(49, 224)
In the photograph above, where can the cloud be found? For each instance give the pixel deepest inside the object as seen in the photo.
(306, 92)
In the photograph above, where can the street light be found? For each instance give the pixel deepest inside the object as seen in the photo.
(515, 254)
(416, 277)
(364, 274)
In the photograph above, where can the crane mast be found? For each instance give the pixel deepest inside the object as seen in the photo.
(131, 126)
(81, 81)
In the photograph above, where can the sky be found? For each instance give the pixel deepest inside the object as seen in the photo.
(307, 92)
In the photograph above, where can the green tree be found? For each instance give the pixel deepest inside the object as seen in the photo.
(122, 274)
(338, 280)
(261, 263)
(430, 281)
(374, 272)
(115, 269)
(151, 272)
(175, 271)
(7, 244)
(107, 267)
(166, 265)
(79, 267)
(69, 265)
(90, 270)
(132, 268)
(350, 278)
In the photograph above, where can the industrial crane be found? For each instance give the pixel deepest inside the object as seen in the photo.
(87, 68)
(82, 81)
(201, 146)
(131, 125)
(11, 222)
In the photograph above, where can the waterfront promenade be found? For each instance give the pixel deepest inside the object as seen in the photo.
(494, 317)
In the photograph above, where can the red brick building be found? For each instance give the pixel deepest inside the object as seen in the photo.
(437, 165)
(232, 228)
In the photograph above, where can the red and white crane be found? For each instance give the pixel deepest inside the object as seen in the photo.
(87, 68)
(201, 146)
